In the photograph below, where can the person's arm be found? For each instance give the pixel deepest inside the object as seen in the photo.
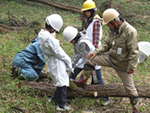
(96, 33)
(62, 55)
(104, 47)
(91, 55)
(132, 45)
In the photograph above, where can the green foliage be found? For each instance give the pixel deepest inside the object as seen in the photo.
(122, 1)
(83, 103)
(11, 95)
(77, 3)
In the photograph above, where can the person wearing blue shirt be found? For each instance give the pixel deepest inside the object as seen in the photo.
(29, 62)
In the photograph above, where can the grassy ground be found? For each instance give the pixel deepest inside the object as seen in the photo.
(13, 97)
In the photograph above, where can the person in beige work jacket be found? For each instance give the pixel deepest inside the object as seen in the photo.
(119, 51)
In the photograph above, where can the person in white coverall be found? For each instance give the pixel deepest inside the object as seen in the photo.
(58, 61)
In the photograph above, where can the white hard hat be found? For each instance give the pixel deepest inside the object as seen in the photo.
(55, 21)
(70, 33)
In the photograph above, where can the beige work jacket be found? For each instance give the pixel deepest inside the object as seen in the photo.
(123, 48)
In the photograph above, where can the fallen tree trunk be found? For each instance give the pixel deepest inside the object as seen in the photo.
(61, 6)
(18, 25)
(8, 29)
(112, 90)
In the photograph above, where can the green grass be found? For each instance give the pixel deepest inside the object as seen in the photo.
(10, 43)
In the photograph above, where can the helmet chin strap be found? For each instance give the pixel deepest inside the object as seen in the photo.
(51, 30)
(115, 31)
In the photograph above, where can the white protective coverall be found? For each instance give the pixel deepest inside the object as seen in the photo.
(58, 61)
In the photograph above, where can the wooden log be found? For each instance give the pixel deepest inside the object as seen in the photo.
(61, 6)
(109, 90)
(7, 28)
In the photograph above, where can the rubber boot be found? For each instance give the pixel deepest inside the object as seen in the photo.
(134, 100)
(74, 73)
(135, 111)
(15, 70)
(86, 74)
(84, 77)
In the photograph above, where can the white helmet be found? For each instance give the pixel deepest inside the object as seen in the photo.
(70, 33)
(55, 21)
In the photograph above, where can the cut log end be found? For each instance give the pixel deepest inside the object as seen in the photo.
(95, 94)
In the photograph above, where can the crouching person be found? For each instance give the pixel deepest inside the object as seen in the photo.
(29, 62)
(58, 61)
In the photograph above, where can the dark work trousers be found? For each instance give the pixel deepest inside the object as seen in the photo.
(100, 81)
(99, 77)
(59, 96)
(75, 73)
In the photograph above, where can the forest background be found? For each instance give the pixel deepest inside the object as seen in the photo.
(14, 99)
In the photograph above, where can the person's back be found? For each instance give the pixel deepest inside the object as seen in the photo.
(29, 61)
(46, 40)
(82, 48)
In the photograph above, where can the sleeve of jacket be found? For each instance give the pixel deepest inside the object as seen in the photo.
(103, 47)
(132, 44)
(82, 51)
(62, 55)
(55, 49)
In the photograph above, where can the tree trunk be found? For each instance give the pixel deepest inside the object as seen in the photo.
(111, 90)
(8, 29)
(61, 6)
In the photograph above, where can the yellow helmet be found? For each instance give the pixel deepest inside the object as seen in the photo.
(88, 4)
(109, 15)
